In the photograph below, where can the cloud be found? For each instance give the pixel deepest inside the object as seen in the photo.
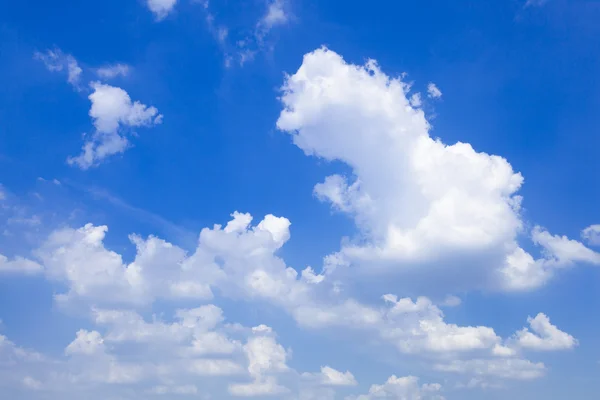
(112, 110)
(238, 261)
(183, 390)
(161, 8)
(32, 383)
(87, 343)
(535, 3)
(407, 388)
(56, 61)
(445, 216)
(331, 377)
(433, 91)
(591, 235)
(19, 265)
(274, 16)
(544, 336)
(507, 368)
(112, 71)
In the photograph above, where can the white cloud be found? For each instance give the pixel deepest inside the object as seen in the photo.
(544, 336)
(507, 368)
(263, 387)
(161, 8)
(452, 301)
(331, 377)
(561, 251)
(87, 343)
(450, 210)
(433, 91)
(405, 388)
(275, 15)
(591, 235)
(19, 265)
(111, 111)
(57, 61)
(112, 71)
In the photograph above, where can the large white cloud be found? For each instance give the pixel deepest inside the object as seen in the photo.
(423, 207)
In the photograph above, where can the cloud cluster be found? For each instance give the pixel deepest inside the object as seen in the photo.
(112, 111)
(426, 211)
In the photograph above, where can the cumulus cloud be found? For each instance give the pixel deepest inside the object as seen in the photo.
(544, 336)
(161, 8)
(407, 388)
(112, 111)
(56, 61)
(421, 205)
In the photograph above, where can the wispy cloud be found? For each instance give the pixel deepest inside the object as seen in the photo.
(57, 61)
(535, 3)
(112, 71)
(172, 230)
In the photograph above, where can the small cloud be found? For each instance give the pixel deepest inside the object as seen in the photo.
(56, 61)
(161, 8)
(112, 71)
(275, 15)
(415, 100)
(591, 235)
(32, 383)
(452, 301)
(112, 110)
(433, 91)
(535, 3)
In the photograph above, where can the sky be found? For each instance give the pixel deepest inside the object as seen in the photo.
(299, 199)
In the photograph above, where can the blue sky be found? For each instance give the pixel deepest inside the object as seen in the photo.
(299, 199)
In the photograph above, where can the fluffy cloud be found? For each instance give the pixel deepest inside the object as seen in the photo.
(265, 358)
(544, 336)
(433, 91)
(163, 270)
(591, 235)
(57, 61)
(419, 203)
(161, 8)
(112, 110)
(405, 388)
